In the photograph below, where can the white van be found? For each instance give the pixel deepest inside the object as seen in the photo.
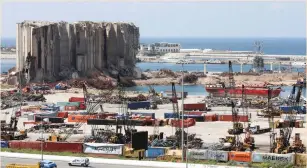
(79, 162)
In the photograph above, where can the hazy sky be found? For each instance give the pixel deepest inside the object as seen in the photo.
(170, 19)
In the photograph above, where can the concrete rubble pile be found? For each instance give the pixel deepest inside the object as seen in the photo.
(165, 73)
(64, 50)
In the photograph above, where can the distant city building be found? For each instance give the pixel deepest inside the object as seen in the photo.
(160, 48)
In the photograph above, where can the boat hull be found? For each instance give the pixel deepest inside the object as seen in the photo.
(237, 92)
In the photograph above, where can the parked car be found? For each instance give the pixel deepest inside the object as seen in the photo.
(79, 162)
(47, 164)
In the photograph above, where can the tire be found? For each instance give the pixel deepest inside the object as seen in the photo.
(69, 164)
(82, 165)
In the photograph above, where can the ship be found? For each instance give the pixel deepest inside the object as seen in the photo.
(219, 90)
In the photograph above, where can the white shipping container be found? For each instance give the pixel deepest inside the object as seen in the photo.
(218, 155)
(103, 148)
(201, 154)
(272, 157)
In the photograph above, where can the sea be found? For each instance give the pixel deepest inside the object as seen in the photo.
(273, 46)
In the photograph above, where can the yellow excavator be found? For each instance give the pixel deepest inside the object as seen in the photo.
(55, 138)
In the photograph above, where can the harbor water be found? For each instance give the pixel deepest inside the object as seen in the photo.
(198, 89)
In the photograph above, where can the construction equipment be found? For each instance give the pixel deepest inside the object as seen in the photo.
(55, 138)
(282, 144)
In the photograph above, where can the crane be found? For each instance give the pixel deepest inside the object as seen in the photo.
(92, 105)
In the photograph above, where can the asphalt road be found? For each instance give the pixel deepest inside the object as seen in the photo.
(60, 164)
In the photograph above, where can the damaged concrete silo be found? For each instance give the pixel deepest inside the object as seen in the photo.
(59, 48)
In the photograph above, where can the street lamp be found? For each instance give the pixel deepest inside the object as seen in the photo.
(182, 115)
(42, 136)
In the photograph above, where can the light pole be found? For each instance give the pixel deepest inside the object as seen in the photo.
(182, 115)
(42, 139)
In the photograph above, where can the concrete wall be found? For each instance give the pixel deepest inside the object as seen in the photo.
(60, 46)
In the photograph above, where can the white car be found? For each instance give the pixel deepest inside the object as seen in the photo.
(79, 162)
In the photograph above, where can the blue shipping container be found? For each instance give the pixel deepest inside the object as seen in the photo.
(153, 115)
(299, 109)
(154, 152)
(137, 105)
(170, 115)
(4, 144)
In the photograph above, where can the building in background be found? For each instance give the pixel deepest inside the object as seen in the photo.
(159, 48)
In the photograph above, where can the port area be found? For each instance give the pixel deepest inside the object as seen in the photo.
(214, 58)
(209, 132)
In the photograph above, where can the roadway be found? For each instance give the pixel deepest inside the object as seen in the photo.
(60, 164)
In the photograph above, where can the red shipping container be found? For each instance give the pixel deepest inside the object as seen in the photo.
(210, 117)
(195, 106)
(199, 113)
(63, 114)
(241, 118)
(82, 106)
(70, 108)
(76, 99)
(63, 147)
(187, 123)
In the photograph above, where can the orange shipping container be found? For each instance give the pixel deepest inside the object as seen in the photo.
(70, 108)
(240, 156)
(80, 118)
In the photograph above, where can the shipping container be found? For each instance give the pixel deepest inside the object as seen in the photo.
(103, 148)
(70, 108)
(197, 118)
(301, 159)
(272, 157)
(199, 113)
(76, 99)
(80, 118)
(144, 114)
(63, 104)
(195, 107)
(154, 152)
(138, 105)
(82, 106)
(51, 119)
(241, 118)
(218, 155)
(187, 123)
(170, 115)
(4, 144)
(210, 117)
(240, 156)
(63, 147)
(63, 114)
(198, 154)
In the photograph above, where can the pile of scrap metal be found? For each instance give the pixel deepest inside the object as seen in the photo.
(12, 99)
(189, 78)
